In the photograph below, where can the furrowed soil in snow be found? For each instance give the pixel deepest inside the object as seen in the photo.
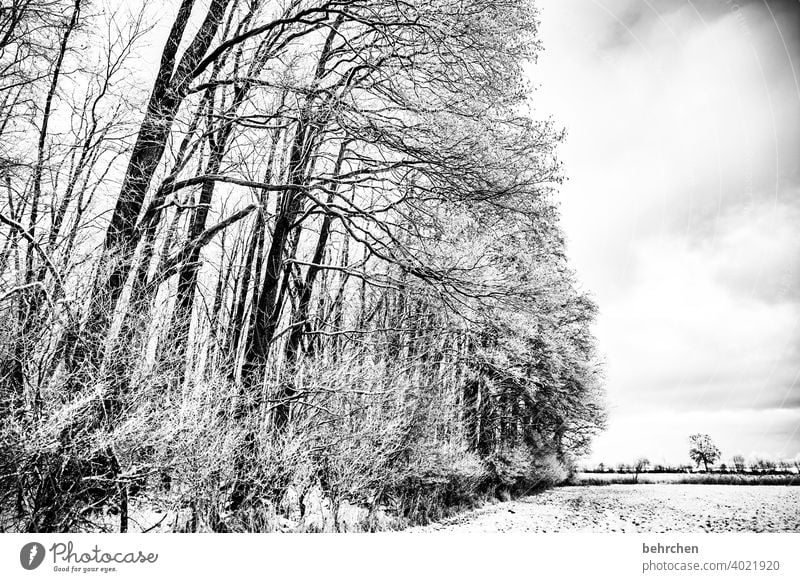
(638, 508)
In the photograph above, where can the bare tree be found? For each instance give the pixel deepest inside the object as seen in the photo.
(640, 466)
(703, 450)
(297, 268)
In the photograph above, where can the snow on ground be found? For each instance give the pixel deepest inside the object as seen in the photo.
(638, 508)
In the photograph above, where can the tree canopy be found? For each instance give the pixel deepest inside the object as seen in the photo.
(703, 450)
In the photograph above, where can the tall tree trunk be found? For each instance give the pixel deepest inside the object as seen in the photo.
(237, 323)
(29, 311)
(268, 308)
(269, 302)
(187, 276)
(299, 324)
(170, 88)
(40, 150)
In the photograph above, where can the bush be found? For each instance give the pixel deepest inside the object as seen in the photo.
(349, 459)
(517, 471)
(439, 484)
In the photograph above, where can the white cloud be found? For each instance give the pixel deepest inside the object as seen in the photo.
(682, 207)
(684, 337)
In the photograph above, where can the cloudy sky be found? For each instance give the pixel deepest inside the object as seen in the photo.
(682, 212)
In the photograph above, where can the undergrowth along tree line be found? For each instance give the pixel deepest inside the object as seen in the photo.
(304, 245)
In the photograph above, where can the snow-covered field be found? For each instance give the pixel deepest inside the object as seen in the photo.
(638, 508)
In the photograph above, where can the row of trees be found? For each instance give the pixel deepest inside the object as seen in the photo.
(702, 450)
(737, 464)
(320, 252)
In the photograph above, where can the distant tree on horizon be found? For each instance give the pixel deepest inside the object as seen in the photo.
(738, 463)
(703, 450)
(765, 465)
(641, 465)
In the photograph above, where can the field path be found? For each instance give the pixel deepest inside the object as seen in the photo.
(638, 508)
